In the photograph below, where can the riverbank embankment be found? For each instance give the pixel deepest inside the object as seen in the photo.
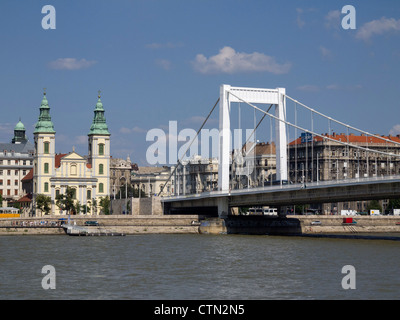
(302, 224)
(164, 224)
(115, 223)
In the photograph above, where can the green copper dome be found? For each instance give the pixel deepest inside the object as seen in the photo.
(19, 133)
(19, 126)
(99, 125)
(44, 124)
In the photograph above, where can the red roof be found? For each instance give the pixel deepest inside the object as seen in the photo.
(58, 158)
(26, 198)
(29, 176)
(351, 138)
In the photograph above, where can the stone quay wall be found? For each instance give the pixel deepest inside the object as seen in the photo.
(141, 224)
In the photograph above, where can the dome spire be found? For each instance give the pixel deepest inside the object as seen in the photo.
(44, 124)
(99, 125)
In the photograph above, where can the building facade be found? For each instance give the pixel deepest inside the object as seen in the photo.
(16, 160)
(313, 159)
(149, 181)
(89, 177)
(120, 175)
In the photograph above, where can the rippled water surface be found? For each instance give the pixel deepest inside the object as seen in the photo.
(197, 267)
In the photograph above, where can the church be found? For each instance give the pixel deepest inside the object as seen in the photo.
(89, 177)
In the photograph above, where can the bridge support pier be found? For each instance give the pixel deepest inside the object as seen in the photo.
(223, 207)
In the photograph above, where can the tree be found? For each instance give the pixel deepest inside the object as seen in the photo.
(394, 204)
(66, 201)
(374, 205)
(94, 205)
(105, 205)
(43, 203)
(85, 208)
(77, 207)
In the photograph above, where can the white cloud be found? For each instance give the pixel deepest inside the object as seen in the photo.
(395, 130)
(230, 61)
(300, 22)
(377, 27)
(168, 45)
(81, 140)
(308, 87)
(326, 53)
(332, 19)
(136, 129)
(164, 64)
(334, 86)
(70, 64)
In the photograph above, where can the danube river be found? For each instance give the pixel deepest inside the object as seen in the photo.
(231, 267)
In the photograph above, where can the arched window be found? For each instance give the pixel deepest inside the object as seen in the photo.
(101, 188)
(46, 187)
(73, 169)
(101, 168)
(46, 168)
(101, 149)
(46, 146)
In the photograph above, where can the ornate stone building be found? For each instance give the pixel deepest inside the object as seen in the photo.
(318, 159)
(120, 174)
(16, 160)
(89, 176)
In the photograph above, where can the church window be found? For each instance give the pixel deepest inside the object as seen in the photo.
(46, 187)
(88, 194)
(73, 169)
(46, 147)
(101, 188)
(101, 168)
(46, 168)
(101, 149)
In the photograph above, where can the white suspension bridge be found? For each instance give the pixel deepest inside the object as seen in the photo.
(286, 188)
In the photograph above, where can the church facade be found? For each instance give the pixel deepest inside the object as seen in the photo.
(89, 177)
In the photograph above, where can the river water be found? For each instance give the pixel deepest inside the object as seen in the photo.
(189, 266)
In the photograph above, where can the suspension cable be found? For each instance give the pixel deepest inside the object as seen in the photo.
(341, 123)
(317, 134)
(183, 155)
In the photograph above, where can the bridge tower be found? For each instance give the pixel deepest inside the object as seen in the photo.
(229, 94)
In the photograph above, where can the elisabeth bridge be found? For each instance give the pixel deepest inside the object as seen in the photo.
(285, 120)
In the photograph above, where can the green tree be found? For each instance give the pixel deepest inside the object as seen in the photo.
(105, 205)
(374, 205)
(394, 204)
(66, 201)
(43, 203)
(85, 208)
(77, 207)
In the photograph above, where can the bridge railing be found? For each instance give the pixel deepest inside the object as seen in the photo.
(285, 187)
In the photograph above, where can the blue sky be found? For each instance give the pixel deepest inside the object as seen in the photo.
(160, 61)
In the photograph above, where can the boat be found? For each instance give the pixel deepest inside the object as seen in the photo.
(74, 230)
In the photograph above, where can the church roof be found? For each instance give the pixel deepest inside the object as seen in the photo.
(44, 124)
(99, 125)
(19, 126)
(26, 147)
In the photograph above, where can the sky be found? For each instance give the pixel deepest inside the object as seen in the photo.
(157, 62)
